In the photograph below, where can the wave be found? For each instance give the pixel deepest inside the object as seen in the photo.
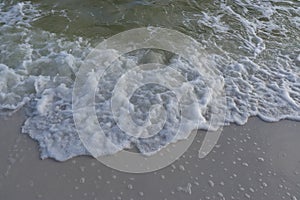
(255, 46)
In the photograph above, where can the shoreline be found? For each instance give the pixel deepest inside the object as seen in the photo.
(259, 156)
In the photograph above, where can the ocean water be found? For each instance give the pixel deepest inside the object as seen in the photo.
(254, 45)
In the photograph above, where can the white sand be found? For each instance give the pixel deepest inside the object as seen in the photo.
(257, 161)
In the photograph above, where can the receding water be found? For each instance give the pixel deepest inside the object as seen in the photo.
(255, 45)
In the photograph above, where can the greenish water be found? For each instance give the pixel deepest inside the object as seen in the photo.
(255, 46)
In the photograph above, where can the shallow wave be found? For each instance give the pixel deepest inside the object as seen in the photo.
(254, 45)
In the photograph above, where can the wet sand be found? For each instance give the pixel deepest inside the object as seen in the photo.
(256, 161)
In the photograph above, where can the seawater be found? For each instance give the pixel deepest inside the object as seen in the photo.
(254, 45)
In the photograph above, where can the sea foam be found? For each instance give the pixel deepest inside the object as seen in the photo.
(255, 46)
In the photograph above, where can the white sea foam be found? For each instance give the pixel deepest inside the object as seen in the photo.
(256, 46)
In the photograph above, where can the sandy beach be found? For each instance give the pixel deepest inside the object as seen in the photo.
(256, 161)
(150, 72)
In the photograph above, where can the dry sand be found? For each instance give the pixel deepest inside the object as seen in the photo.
(256, 161)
